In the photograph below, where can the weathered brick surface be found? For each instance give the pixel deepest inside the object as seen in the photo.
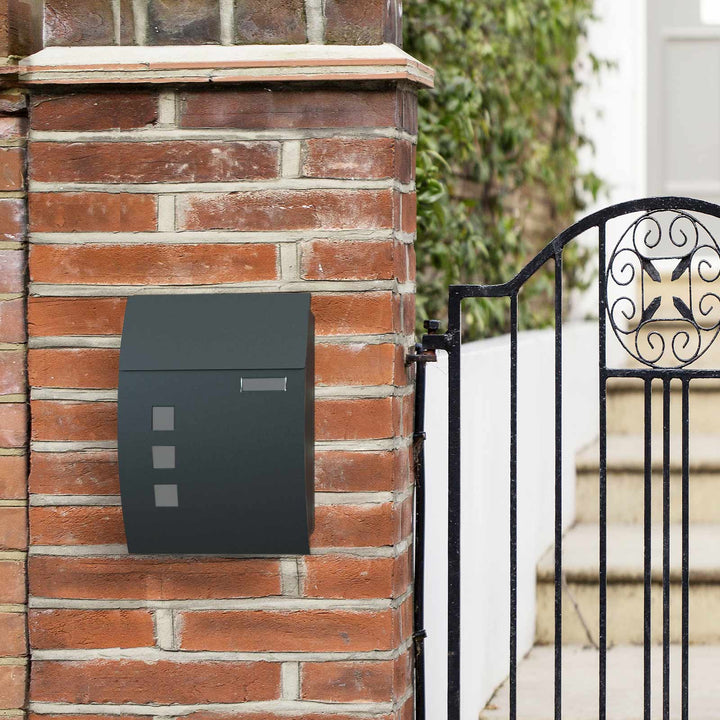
(13, 528)
(82, 525)
(355, 526)
(288, 210)
(131, 681)
(74, 421)
(110, 110)
(347, 260)
(353, 158)
(13, 477)
(347, 681)
(12, 582)
(92, 212)
(12, 219)
(354, 313)
(12, 271)
(348, 22)
(12, 372)
(153, 264)
(12, 169)
(181, 162)
(183, 22)
(12, 686)
(153, 578)
(342, 576)
(13, 425)
(365, 418)
(272, 21)
(74, 316)
(256, 109)
(341, 471)
(76, 629)
(356, 364)
(127, 22)
(78, 22)
(91, 472)
(12, 634)
(12, 321)
(295, 631)
(73, 368)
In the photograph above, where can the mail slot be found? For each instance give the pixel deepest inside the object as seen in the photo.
(216, 424)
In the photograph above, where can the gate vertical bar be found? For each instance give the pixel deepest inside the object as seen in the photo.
(666, 548)
(685, 544)
(454, 334)
(513, 503)
(602, 560)
(558, 483)
(647, 550)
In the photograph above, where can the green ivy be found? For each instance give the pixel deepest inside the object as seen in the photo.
(497, 141)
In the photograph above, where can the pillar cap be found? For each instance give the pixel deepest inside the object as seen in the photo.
(220, 64)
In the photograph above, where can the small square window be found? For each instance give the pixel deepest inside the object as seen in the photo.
(163, 457)
(163, 418)
(166, 496)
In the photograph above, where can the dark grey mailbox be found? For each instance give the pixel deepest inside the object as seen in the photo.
(216, 423)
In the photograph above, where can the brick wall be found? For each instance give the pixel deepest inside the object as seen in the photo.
(226, 22)
(13, 405)
(240, 188)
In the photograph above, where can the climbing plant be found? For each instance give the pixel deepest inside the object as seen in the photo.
(497, 173)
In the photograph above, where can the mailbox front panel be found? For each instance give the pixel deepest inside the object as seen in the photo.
(216, 461)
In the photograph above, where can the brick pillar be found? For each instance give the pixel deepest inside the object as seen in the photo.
(269, 185)
(13, 404)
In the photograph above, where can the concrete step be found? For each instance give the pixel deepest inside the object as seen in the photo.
(625, 585)
(626, 480)
(626, 406)
(624, 685)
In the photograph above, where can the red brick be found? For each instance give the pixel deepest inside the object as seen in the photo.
(183, 22)
(352, 158)
(347, 681)
(12, 372)
(297, 631)
(344, 526)
(78, 22)
(127, 578)
(94, 472)
(353, 313)
(107, 110)
(185, 161)
(12, 169)
(13, 128)
(356, 364)
(12, 321)
(12, 634)
(403, 622)
(48, 316)
(92, 212)
(343, 576)
(348, 22)
(12, 686)
(153, 264)
(276, 210)
(341, 471)
(127, 22)
(12, 582)
(12, 271)
(68, 368)
(61, 629)
(272, 22)
(406, 212)
(271, 107)
(347, 260)
(77, 421)
(12, 219)
(13, 425)
(13, 477)
(79, 525)
(357, 419)
(13, 528)
(408, 313)
(162, 682)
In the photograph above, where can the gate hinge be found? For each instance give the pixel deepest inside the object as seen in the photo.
(425, 350)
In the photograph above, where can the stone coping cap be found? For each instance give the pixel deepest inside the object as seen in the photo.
(220, 64)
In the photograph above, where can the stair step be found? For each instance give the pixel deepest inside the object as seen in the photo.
(625, 480)
(625, 585)
(535, 685)
(626, 406)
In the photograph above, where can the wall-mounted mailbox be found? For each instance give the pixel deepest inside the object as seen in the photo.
(216, 424)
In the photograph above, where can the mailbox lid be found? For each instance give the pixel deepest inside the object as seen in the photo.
(216, 332)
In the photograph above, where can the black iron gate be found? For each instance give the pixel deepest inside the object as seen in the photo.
(663, 337)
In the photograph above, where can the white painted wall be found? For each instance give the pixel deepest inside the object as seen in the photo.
(485, 511)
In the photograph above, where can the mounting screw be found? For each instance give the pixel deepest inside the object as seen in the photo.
(432, 326)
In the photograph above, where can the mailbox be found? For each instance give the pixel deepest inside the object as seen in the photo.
(216, 424)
